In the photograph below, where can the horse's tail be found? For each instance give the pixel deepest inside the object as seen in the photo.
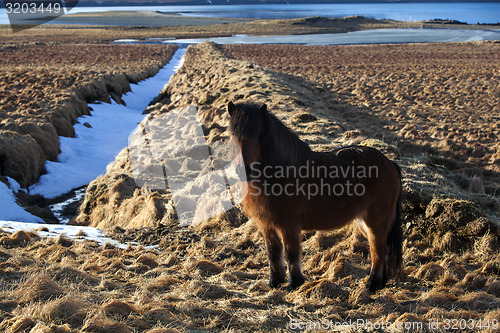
(395, 237)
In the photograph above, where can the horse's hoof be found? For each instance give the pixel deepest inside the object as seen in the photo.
(276, 283)
(374, 284)
(292, 287)
(295, 284)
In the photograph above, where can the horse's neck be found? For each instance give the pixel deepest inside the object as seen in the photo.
(283, 147)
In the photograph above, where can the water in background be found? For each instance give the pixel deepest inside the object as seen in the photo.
(465, 12)
(380, 36)
(472, 12)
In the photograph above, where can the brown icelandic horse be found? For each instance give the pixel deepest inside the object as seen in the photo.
(292, 188)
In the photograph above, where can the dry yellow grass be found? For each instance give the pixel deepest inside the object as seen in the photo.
(213, 276)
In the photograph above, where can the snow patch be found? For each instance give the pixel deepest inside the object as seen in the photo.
(75, 232)
(126, 40)
(85, 157)
(14, 185)
(11, 210)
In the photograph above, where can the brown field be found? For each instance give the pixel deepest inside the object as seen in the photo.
(416, 103)
(441, 100)
(444, 96)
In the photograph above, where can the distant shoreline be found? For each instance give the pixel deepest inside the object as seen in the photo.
(158, 18)
(140, 18)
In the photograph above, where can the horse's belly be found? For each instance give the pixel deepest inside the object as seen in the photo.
(331, 215)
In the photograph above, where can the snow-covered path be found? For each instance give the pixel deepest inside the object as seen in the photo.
(85, 157)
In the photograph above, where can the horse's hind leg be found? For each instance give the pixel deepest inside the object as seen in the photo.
(291, 241)
(378, 275)
(377, 238)
(274, 248)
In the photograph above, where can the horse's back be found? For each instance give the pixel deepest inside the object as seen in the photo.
(366, 157)
(376, 171)
(361, 179)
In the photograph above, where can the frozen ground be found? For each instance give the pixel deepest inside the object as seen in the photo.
(54, 230)
(86, 156)
(382, 36)
(10, 210)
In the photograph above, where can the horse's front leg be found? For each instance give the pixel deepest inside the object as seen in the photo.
(291, 240)
(274, 248)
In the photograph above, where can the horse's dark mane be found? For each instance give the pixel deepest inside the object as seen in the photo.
(279, 145)
(246, 122)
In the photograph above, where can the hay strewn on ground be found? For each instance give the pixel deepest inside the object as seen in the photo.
(213, 276)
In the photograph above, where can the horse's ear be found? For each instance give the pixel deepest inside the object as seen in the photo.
(230, 108)
(263, 108)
